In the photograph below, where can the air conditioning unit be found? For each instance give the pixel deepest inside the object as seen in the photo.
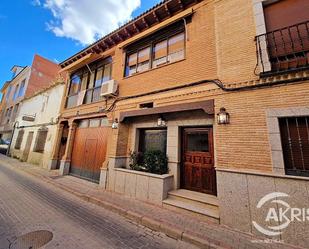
(109, 88)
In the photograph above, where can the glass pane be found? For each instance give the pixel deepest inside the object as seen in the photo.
(143, 60)
(160, 53)
(154, 140)
(176, 46)
(72, 101)
(198, 141)
(96, 94)
(131, 70)
(94, 122)
(91, 81)
(144, 55)
(84, 81)
(75, 82)
(107, 72)
(104, 122)
(88, 96)
(21, 89)
(99, 77)
(132, 59)
(83, 123)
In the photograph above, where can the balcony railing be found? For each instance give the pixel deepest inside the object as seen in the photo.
(285, 49)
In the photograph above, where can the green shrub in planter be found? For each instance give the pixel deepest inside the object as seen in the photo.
(155, 161)
(135, 158)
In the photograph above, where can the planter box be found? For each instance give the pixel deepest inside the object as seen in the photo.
(148, 187)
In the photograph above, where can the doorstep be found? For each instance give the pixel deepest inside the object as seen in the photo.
(203, 205)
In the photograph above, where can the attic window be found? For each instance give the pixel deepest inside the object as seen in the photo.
(146, 105)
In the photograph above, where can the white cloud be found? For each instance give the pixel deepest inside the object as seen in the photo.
(36, 2)
(86, 21)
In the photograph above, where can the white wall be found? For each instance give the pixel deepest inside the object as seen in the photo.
(45, 107)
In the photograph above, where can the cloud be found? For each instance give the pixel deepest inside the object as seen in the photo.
(36, 2)
(86, 21)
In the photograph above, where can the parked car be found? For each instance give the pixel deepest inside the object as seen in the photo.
(4, 145)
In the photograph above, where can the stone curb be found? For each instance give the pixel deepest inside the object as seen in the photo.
(148, 222)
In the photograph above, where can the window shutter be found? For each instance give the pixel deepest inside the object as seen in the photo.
(40, 141)
(19, 139)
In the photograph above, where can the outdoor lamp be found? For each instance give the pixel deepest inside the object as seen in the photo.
(161, 122)
(115, 124)
(223, 117)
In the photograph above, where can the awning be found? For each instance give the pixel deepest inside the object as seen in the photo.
(206, 106)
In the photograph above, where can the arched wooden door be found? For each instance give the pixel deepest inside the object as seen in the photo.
(198, 171)
(89, 149)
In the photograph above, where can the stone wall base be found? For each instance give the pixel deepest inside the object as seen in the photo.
(240, 193)
(52, 164)
(64, 167)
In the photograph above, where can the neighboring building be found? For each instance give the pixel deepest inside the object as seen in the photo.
(25, 82)
(38, 118)
(166, 78)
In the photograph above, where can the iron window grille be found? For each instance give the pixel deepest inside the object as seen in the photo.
(295, 145)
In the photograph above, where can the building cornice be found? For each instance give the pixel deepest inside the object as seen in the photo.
(157, 14)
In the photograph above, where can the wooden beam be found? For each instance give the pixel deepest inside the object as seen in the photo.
(120, 38)
(111, 40)
(145, 22)
(127, 32)
(167, 10)
(155, 16)
(181, 4)
(136, 27)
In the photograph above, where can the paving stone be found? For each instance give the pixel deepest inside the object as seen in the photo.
(28, 203)
(95, 223)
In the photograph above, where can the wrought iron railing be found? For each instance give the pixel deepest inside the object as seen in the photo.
(284, 49)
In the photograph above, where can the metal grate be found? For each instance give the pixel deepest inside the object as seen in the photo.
(285, 49)
(295, 145)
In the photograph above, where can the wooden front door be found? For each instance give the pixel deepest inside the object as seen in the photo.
(89, 152)
(198, 172)
(27, 146)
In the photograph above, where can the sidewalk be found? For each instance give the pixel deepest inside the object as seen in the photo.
(176, 225)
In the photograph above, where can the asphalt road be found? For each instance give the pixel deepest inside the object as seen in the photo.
(28, 204)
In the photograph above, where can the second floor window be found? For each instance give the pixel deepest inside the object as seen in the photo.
(163, 47)
(21, 89)
(8, 93)
(15, 93)
(85, 85)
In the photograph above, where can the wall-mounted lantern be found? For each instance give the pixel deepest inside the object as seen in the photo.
(161, 122)
(115, 124)
(223, 117)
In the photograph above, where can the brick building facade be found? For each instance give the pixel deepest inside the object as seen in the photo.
(175, 67)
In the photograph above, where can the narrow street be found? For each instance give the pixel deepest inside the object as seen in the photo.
(27, 204)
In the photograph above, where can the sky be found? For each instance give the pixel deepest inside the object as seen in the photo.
(57, 29)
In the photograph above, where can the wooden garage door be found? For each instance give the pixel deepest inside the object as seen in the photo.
(89, 149)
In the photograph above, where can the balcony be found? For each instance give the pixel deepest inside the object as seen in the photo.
(284, 50)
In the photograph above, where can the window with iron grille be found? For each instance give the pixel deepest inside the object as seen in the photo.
(19, 139)
(295, 145)
(40, 140)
